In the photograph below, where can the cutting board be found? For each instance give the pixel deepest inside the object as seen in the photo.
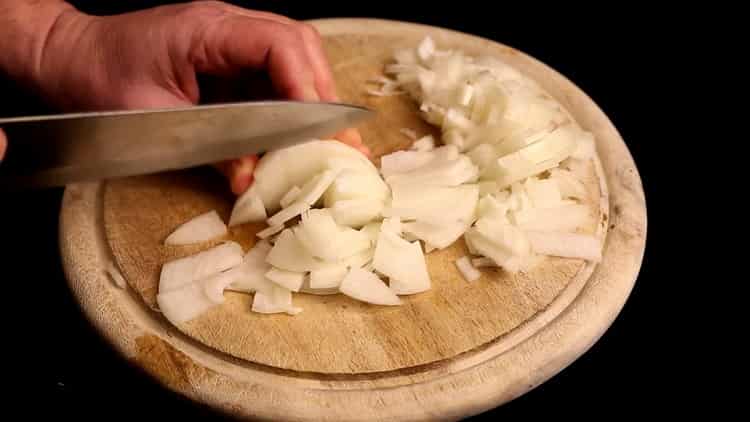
(453, 351)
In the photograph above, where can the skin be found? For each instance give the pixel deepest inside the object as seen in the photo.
(154, 58)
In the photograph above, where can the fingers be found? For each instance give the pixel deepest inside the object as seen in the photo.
(3, 144)
(230, 45)
(324, 82)
(239, 173)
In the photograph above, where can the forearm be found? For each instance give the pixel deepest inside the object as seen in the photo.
(25, 30)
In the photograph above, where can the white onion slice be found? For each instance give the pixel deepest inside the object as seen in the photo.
(251, 274)
(288, 279)
(365, 286)
(403, 263)
(566, 245)
(290, 197)
(329, 276)
(279, 300)
(270, 231)
(290, 255)
(249, 208)
(205, 227)
(179, 272)
(287, 214)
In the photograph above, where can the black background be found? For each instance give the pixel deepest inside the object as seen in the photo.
(615, 54)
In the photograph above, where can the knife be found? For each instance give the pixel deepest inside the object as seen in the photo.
(54, 150)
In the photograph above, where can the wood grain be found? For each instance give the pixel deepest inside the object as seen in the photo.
(451, 352)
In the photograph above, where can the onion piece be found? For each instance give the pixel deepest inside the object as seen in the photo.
(251, 274)
(287, 214)
(279, 300)
(402, 262)
(190, 300)
(328, 277)
(270, 231)
(289, 254)
(365, 286)
(356, 212)
(323, 238)
(288, 279)
(468, 272)
(249, 208)
(437, 236)
(439, 173)
(179, 272)
(433, 204)
(184, 303)
(355, 184)
(404, 161)
(281, 169)
(566, 245)
(290, 197)
(205, 227)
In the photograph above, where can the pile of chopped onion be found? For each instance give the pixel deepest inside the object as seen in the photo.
(338, 224)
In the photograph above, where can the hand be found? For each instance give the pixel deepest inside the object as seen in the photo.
(152, 59)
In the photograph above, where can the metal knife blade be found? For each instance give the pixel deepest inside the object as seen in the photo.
(55, 150)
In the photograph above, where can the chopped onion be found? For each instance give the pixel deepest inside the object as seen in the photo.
(356, 212)
(280, 170)
(179, 272)
(290, 255)
(433, 203)
(402, 262)
(270, 231)
(438, 236)
(184, 303)
(365, 286)
(279, 300)
(566, 245)
(468, 272)
(251, 274)
(323, 238)
(189, 300)
(290, 197)
(205, 227)
(288, 279)
(249, 208)
(287, 214)
(328, 277)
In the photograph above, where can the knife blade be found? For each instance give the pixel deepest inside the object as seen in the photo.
(54, 150)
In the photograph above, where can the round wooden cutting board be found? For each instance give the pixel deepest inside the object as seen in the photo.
(454, 351)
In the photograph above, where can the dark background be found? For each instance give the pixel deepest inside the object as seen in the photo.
(615, 54)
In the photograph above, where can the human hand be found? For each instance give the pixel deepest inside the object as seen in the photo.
(152, 59)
